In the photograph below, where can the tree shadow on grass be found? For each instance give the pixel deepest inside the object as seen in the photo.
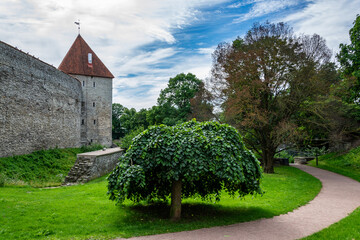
(212, 214)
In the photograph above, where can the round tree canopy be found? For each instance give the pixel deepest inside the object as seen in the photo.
(206, 157)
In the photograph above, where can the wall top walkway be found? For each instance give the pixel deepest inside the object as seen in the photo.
(105, 151)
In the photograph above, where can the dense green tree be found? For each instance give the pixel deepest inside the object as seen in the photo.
(118, 130)
(126, 120)
(174, 101)
(349, 59)
(185, 160)
(264, 78)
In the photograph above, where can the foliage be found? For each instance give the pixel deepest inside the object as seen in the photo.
(174, 100)
(201, 106)
(127, 140)
(285, 154)
(317, 151)
(117, 127)
(349, 59)
(2, 179)
(29, 213)
(206, 157)
(264, 78)
(127, 120)
(41, 168)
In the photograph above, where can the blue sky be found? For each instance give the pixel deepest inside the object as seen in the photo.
(145, 42)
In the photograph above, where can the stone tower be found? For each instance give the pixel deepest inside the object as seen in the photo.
(82, 63)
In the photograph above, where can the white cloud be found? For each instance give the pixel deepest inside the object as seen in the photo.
(263, 7)
(331, 19)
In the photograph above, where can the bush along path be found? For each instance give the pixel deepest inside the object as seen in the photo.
(338, 197)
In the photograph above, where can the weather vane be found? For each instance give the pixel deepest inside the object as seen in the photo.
(78, 23)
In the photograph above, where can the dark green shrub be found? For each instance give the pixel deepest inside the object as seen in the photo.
(2, 180)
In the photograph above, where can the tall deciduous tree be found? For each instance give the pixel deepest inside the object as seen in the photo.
(174, 100)
(349, 59)
(182, 161)
(263, 79)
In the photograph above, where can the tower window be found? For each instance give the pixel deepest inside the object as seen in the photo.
(89, 58)
(94, 122)
(93, 104)
(82, 121)
(82, 104)
(83, 83)
(93, 84)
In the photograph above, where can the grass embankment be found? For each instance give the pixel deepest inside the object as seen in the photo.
(40, 168)
(347, 164)
(84, 211)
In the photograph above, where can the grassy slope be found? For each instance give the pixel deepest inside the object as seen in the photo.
(347, 164)
(84, 211)
(40, 168)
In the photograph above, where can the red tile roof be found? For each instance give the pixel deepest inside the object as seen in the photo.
(76, 61)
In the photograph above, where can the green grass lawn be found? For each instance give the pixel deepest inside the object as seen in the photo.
(347, 164)
(41, 168)
(84, 211)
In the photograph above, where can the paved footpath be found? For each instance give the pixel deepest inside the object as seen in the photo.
(338, 197)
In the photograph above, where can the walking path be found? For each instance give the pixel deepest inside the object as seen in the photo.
(338, 197)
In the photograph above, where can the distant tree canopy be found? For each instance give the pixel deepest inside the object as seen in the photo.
(126, 120)
(182, 161)
(264, 78)
(184, 98)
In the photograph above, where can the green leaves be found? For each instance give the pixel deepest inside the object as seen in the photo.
(207, 157)
(349, 59)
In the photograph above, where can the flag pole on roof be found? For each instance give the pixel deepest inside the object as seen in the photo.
(78, 23)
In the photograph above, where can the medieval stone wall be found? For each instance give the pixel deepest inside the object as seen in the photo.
(40, 106)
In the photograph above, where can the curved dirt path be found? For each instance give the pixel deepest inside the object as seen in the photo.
(338, 197)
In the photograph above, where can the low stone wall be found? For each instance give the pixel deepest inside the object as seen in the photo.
(92, 165)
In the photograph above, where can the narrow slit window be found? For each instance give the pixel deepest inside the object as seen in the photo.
(94, 122)
(93, 84)
(82, 121)
(93, 104)
(89, 58)
(83, 83)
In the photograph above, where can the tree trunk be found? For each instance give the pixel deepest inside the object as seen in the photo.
(268, 159)
(175, 210)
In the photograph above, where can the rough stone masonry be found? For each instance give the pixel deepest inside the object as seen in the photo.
(40, 106)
